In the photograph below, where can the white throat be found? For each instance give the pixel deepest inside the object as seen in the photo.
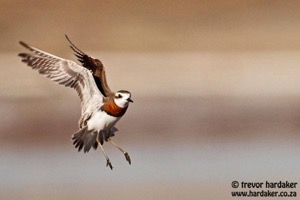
(122, 103)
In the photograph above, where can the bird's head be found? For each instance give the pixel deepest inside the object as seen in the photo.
(122, 98)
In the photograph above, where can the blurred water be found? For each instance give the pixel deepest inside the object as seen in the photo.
(208, 109)
(32, 172)
(234, 117)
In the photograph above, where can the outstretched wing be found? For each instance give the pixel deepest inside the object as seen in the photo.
(95, 66)
(64, 72)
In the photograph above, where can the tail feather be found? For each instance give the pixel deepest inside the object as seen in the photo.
(89, 141)
(104, 135)
(84, 139)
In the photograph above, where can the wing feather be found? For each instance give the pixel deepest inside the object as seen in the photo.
(95, 66)
(64, 72)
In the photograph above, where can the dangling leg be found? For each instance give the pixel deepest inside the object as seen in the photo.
(108, 163)
(124, 152)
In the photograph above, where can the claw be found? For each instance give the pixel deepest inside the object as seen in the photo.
(127, 157)
(108, 163)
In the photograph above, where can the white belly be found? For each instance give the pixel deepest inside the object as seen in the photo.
(101, 121)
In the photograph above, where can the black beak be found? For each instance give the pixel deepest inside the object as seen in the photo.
(129, 100)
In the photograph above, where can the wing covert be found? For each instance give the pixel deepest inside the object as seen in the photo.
(95, 65)
(62, 71)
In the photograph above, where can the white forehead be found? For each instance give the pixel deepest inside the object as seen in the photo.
(124, 94)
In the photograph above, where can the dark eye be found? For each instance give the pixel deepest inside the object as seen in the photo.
(119, 96)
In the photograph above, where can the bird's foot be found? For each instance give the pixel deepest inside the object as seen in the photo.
(108, 163)
(127, 157)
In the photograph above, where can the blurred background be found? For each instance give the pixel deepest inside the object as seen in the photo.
(216, 87)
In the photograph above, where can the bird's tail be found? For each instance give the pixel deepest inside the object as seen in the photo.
(86, 139)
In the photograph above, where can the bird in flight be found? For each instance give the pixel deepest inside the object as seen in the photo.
(101, 108)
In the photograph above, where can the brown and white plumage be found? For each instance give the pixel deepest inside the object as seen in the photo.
(64, 72)
(95, 66)
(100, 107)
